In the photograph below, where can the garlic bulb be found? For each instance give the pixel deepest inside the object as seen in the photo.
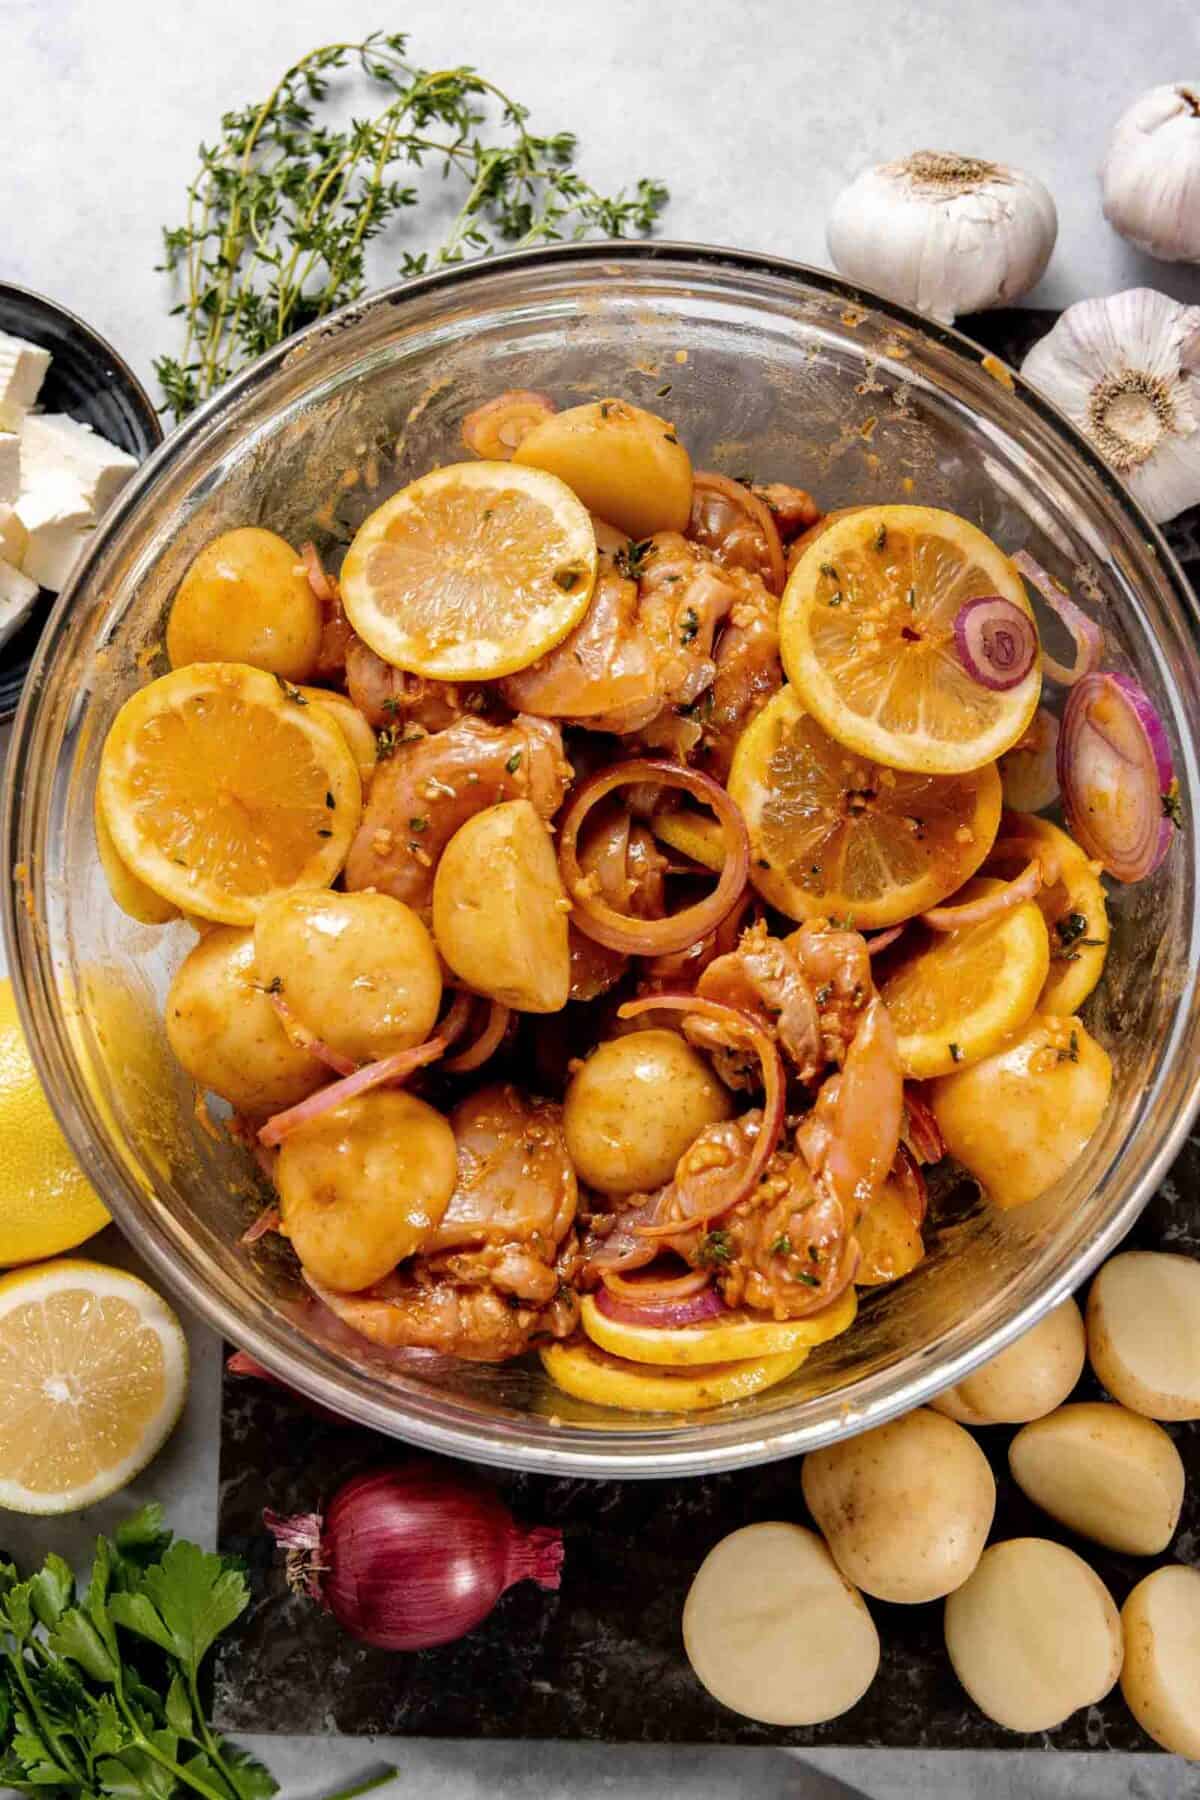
(943, 234)
(1151, 174)
(1126, 370)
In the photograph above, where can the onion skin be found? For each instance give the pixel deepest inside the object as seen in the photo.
(1116, 776)
(415, 1556)
(652, 937)
(662, 1314)
(996, 642)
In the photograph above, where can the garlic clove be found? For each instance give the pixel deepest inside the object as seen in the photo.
(1126, 371)
(1151, 174)
(943, 234)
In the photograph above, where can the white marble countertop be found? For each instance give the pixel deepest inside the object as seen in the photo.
(755, 114)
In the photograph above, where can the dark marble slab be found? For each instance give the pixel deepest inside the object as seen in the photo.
(602, 1658)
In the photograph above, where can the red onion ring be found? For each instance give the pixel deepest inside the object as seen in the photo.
(1089, 639)
(652, 937)
(303, 1039)
(318, 580)
(919, 1129)
(745, 1025)
(883, 940)
(911, 1184)
(485, 1045)
(707, 480)
(267, 1220)
(996, 642)
(390, 1069)
(663, 1313)
(990, 906)
(1116, 775)
(650, 1291)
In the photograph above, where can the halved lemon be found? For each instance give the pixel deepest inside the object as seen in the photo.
(221, 786)
(733, 1339)
(471, 572)
(692, 833)
(586, 1372)
(93, 1375)
(954, 996)
(867, 635)
(1079, 928)
(833, 835)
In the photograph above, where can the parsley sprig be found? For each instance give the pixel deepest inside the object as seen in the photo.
(80, 1717)
(284, 203)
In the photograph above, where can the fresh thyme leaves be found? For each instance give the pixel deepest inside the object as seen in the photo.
(1172, 806)
(568, 577)
(782, 1245)
(633, 558)
(291, 693)
(1069, 931)
(956, 1054)
(1071, 1052)
(690, 626)
(514, 762)
(284, 203)
(716, 1247)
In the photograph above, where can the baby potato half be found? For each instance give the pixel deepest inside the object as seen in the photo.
(626, 465)
(1025, 1381)
(500, 910)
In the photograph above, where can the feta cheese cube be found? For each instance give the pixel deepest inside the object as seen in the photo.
(12, 537)
(10, 466)
(22, 370)
(59, 522)
(54, 445)
(17, 595)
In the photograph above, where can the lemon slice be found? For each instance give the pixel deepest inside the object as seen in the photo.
(221, 786)
(1079, 929)
(867, 636)
(833, 835)
(472, 572)
(93, 1374)
(585, 1371)
(693, 834)
(735, 1339)
(46, 1202)
(364, 745)
(956, 995)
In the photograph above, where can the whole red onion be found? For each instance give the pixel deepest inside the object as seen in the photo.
(410, 1557)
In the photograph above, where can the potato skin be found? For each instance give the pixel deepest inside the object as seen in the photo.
(1109, 1474)
(1028, 1379)
(626, 465)
(634, 1108)
(1160, 1678)
(500, 909)
(1020, 1118)
(905, 1508)
(242, 600)
(362, 1186)
(360, 970)
(1143, 1332)
(224, 1030)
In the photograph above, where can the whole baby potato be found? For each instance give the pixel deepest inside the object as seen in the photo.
(1033, 1635)
(1021, 1117)
(775, 1632)
(1161, 1675)
(363, 1186)
(1025, 1381)
(905, 1508)
(246, 599)
(1143, 1332)
(500, 910)
(635, 1106)
(359, 970)
(224, 1030)
(1106, 1473)
(626, 465)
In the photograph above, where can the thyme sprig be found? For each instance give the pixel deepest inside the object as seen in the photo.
(284, 204)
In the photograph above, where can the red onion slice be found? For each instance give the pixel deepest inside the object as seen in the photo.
(990, 906)
(1089, 639)
(318, 580)
(1116, 775)
(662, 1314)
(996, 642)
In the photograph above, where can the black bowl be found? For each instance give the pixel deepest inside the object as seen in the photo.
(88, 380)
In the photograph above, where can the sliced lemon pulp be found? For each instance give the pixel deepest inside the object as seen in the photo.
(587, 1372)
(867, 637)
(221, 786)
(833, 834)
(954, 996)
(471, 572)
(733, 1339)
(93, 1372)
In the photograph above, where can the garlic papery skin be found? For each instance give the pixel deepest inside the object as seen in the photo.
(1126, 371)
(1151, 175)
(943, 234)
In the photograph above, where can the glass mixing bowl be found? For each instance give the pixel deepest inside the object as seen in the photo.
(773, 368)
